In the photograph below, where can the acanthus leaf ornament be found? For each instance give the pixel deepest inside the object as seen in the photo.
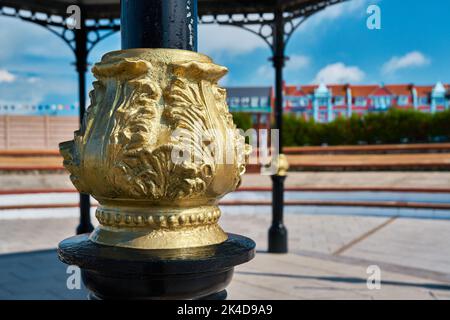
(148, 107)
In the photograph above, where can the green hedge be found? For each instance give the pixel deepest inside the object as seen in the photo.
(242, 120)
(393, 126)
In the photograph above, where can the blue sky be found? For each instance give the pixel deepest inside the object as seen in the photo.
(333, 46)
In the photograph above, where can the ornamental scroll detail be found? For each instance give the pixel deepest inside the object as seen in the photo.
(147, 109)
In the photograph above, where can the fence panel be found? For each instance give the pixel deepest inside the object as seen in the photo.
(35, 132)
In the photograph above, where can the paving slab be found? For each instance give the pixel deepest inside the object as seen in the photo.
(328, 258)
(417, 179)
(422, 243)
(294, 276)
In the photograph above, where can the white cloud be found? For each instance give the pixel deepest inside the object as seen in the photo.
(33, 79)
(214, 39)
(224, 81)
(6, 76)
(24, 92)
(297, 62)
(23, 38)
(339, 73)
(265, 73)
(409, 60)
(39, 61)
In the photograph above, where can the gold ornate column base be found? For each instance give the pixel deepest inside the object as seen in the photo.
(158, 148)
(158, 227)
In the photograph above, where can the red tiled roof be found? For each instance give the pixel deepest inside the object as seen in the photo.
(362, 90)
(338, 89)
(293, 91)
(381, 91)
(423, 90)
(400, 89)
(299, 90)
(309, 89)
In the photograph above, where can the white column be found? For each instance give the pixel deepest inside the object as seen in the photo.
(415, 99)
(315, 109)
(330, 111)
(349, 103)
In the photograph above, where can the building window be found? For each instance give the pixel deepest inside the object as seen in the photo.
(360, 101)
(298, 102)
(403, 100)
(322, 101)
(423, 100)
(245, 101)
(303, 102)
(264, 101)
(234, 102)
(339, 100)
(292, 101)
(439, 101)
(381, 102)
(254, 102)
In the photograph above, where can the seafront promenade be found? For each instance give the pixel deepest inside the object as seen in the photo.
(385, 224)
(328, 257)
(330, 248)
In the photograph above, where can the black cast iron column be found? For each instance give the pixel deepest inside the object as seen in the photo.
(159, 24)
(277, 231)
(118, 273)
(81, 54)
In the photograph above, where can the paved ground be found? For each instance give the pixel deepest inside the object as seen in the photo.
(328, 258)
(296, 276)
(356, 179)
(42, 180)
(329, 251)
(366, 203)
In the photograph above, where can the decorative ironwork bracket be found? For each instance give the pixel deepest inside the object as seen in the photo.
(264, 24)
(262, 27)
(96, 30)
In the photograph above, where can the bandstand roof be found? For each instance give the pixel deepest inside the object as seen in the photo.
(110, 9)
